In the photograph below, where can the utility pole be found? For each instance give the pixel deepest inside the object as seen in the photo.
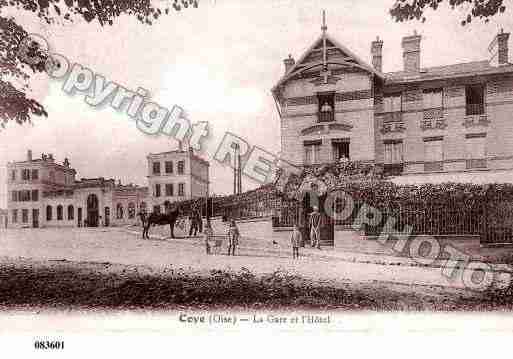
(240, 174)
(208, 190)
(235, 169)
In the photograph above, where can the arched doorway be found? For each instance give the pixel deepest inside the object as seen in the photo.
(92, 210)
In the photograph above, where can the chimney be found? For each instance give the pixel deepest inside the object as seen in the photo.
(377, 54)
(289, 62)
(411, 52)
(499, 49)
(29, 155)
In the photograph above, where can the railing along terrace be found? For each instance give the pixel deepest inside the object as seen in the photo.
(426, 218)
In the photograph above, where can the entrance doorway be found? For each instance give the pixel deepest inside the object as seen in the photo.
(79, 216)
(35, 218)
(93, 211)
(327, 230)
(107, 216)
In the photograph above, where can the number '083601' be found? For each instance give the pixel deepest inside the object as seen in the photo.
(50, 345)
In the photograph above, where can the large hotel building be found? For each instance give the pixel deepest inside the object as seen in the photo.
(454, 118)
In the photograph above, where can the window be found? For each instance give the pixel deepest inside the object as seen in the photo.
(119, 211)
(35, 195)
(392, 103)
(181, 189)
(312, 152)
(432, 98)
(24, 215)
(475, 145)
(474, 98)
(48, 213)
(71, 212)
(169, 166)
(393, 152)
(181, 167)
(326, 109)
(156, 168)
(14, 195)
(25, 174)
(14, 216)
(131, 210)
(340, 149)
(169, 189)
(59, 212)
(24, 196)
(35, 174)
(157, 190)
(433, 154)
(13, 175)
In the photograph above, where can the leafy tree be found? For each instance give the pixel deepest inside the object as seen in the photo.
(15, 73)
(405, 10)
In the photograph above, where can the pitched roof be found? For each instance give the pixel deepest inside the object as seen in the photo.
(449, 71)
(302, 64)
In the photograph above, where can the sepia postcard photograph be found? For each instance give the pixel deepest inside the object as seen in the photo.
(255, 178)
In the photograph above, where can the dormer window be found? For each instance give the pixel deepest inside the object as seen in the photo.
(326, 111)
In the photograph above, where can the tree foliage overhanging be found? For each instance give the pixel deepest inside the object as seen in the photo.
(14, 103)
(405, 10)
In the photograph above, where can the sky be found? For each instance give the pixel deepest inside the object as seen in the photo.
(219, 63)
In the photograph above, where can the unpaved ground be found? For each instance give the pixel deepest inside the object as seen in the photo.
(113, 251)
(61, 284)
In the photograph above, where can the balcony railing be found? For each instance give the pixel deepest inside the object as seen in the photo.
(473, 121)
(433, 123)
(326, 116)
(391, 127)
(476, 163)
(475, 109)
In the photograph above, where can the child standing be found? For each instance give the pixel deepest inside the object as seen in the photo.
(208, 232)
(295, 241)
(233, 237)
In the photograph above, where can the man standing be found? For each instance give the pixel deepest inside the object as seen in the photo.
(193, 223)
(315, 228)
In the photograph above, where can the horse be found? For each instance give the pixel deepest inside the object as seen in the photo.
(160, 219)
